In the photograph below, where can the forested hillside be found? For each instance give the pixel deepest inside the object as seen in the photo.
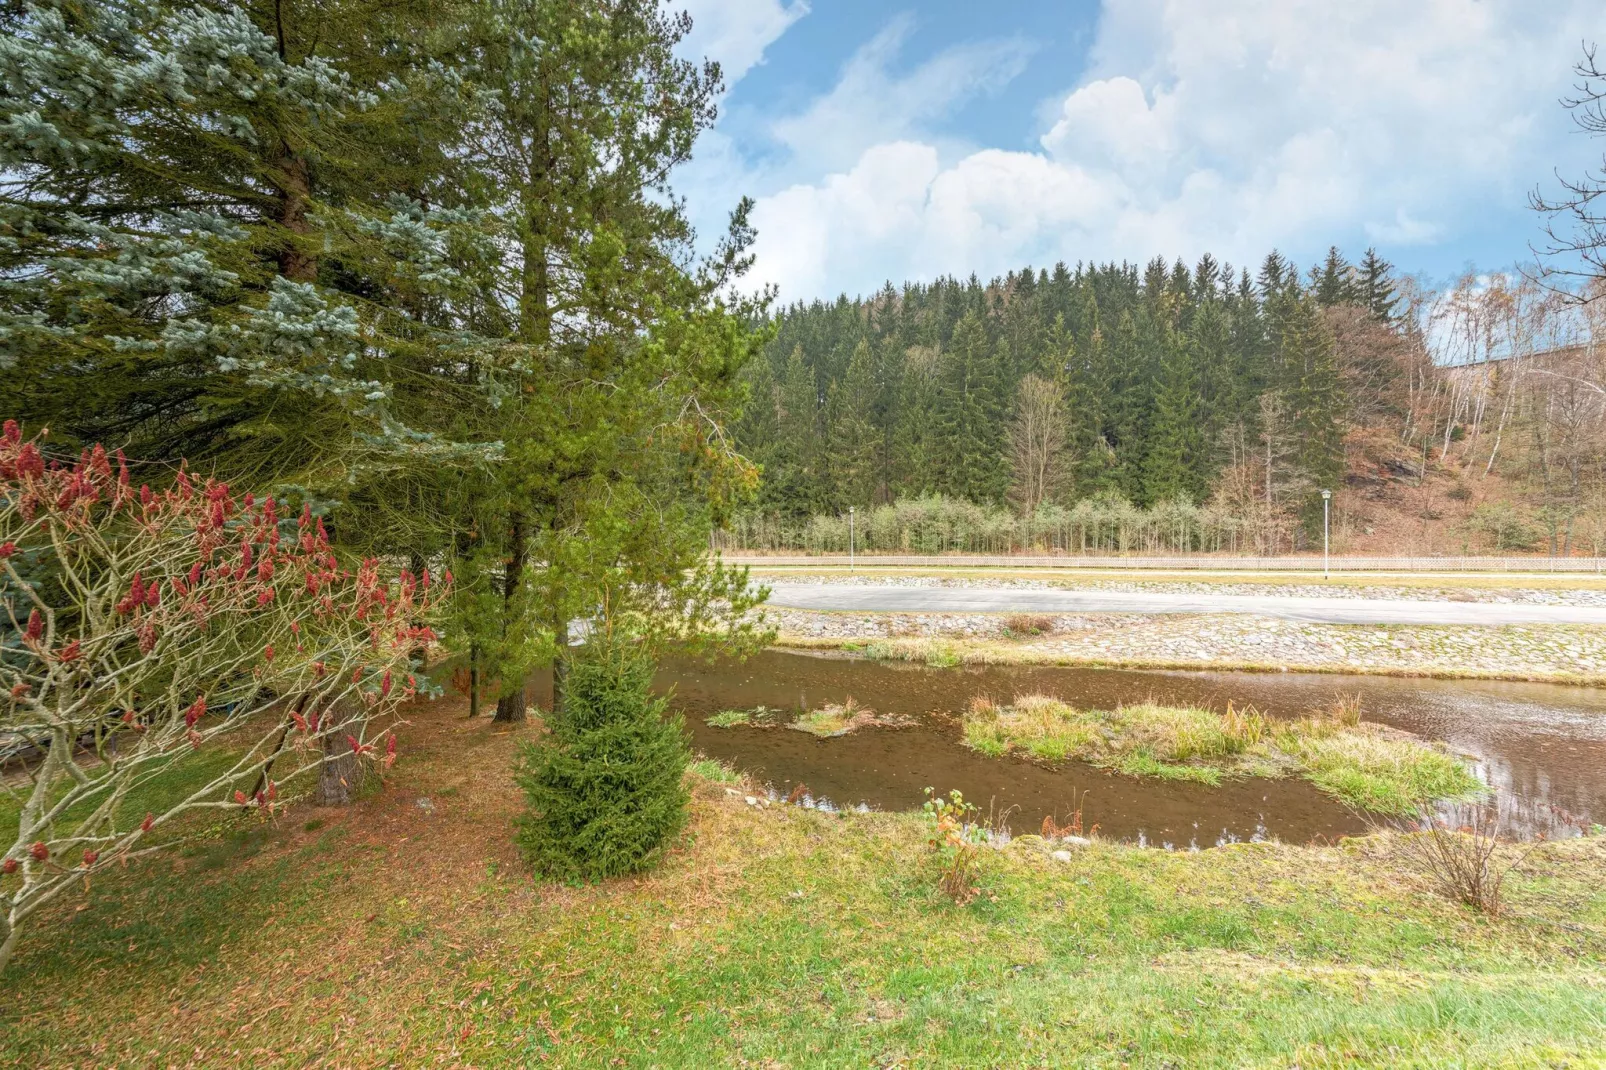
(1098, 382)
(1177, 408)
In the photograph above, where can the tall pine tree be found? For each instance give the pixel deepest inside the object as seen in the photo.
(970, 416)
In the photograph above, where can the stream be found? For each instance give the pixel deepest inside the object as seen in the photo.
(1541, 746)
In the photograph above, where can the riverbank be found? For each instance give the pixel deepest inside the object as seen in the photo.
(1553, 653)
(406, 931)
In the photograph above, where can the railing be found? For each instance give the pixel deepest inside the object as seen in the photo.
(1208, 562)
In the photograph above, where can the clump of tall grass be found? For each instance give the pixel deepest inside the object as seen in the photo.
(1042, 726)
(1346, 710)
(714, 771)
(730, 718)
(840, 718)
(935, 653)
(1184, 733)
(1028, 624)
(1381, 773)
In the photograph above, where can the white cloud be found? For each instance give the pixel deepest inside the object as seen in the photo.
(871, 105)
(736, 32)
(882, 198)
(1233, 126)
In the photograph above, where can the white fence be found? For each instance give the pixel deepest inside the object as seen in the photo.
(1301, 563)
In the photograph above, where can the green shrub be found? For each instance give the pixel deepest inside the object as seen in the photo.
(605, 789)
(1505, 526)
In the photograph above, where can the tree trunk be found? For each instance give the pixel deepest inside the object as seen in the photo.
(560, 664)
(8, 940)
(295, 189)
(474, 680)
(419, 653)
(341, 773)
(510, 705)
(264, 777)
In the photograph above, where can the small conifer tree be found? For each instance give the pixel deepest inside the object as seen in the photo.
(605, 787)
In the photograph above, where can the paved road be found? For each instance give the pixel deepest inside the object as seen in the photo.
(894, 599)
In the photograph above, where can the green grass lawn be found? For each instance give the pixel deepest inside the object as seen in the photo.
(395, 934)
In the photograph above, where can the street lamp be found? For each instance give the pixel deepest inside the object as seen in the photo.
(850, 538)
(1327, 503)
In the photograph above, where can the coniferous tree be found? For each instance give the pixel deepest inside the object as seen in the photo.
(1315, 402)
(1375, 290)
(1221, 392)
(758, 430)
(1175, 459)
(797, 452)
(1334, 280)
(916, 438)
(853, 455)
(605, 789)
(1133, 402)
(204, 215)
(970, 416)
(601, 365)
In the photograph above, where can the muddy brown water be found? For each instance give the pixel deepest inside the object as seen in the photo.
(1541, 746)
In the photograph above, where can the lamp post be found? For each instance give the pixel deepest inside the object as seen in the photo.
(1327, 503)
(850, 538)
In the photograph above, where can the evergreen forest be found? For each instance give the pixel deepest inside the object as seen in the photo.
(1108, 383)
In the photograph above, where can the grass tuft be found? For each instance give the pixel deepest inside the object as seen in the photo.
(1028, 624)
(730, 718)
(840, 718)
(712, 771)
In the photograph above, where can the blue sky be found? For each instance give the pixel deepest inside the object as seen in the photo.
(904, 141)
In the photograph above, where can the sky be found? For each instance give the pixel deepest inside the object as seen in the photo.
(905, 141)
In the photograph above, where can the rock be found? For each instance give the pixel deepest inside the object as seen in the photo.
(425, 804)
(1061, 856)
(751, 801)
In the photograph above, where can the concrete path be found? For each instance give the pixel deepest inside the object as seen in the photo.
(892, 599)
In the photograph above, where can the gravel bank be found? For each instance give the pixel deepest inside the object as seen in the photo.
(1558, 652)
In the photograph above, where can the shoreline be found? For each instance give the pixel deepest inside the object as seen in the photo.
(963, 652)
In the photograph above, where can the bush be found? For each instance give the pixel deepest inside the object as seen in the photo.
(605, 789)
(1025, 624)
(1504, 526)
(168, 653)
(1458, 851)
(957, 841)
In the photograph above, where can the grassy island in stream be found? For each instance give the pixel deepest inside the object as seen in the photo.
(826, 722)
(1368, 766)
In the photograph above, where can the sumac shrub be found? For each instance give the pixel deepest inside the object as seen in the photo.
(605, 787)
(185, 649)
